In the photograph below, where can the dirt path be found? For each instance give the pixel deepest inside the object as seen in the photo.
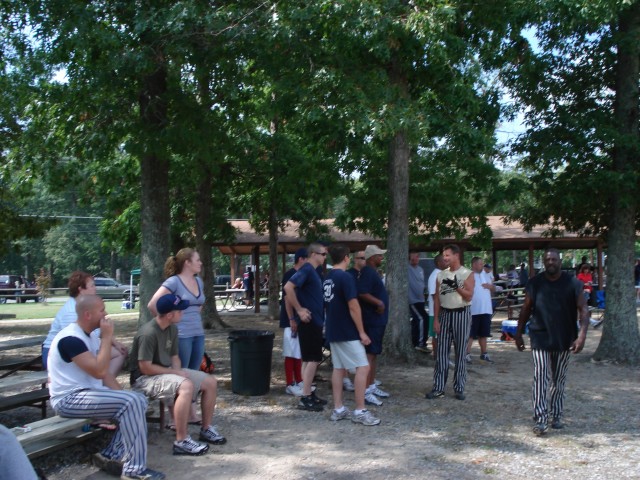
(486, 436)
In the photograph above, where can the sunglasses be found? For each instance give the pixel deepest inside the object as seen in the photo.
(323, 254)
(360, 258)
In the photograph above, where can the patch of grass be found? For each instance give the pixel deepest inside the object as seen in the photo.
(49, 310)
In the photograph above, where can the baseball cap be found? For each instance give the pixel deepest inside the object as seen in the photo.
(170, 302)
(487, 265)
(300, 253)
(372, 250)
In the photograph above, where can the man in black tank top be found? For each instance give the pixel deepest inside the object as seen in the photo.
(551, 304)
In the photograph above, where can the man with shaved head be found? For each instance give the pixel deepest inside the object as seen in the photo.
(82, 387)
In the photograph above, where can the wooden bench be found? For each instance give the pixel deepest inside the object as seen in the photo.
(18, 383)
(6, 316)
(53, 433)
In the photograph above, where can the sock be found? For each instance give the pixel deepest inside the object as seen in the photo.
(341, 409)
(358, 412)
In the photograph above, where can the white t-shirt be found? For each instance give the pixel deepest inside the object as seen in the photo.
(431, 288)
(481, 300)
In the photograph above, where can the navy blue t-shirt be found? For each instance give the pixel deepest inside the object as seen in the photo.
(371, 283)
(284, 318)
(309, 293)
(339, 288)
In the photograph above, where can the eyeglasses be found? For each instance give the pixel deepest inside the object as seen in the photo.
(324, 254)
(360, 258)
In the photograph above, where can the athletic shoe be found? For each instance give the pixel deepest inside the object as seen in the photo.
(434, 394)
(335, 415)
(211, 435)
(485, 358)
(556, 423)
(377, 392)
(294, 389)
(423, 349)
(146, 474)
(597, 323)
(377, 382)
(371, 399)
(540, 428)
(318, 400)
(307, 403)
(189, 447)
(365, 417)
(301, 385)
(468, 358)
(348, 385)
(108, 465)
(460, 396)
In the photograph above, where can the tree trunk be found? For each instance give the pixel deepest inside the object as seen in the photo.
(274, 278)
(620, 337)
(210, 316)
(154, 195)
(398, 337)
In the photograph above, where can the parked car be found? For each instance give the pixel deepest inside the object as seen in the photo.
(223, 280)
(109, 288)
(16, 287)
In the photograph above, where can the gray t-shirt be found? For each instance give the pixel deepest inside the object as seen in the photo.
(191, 323)
(416, 284)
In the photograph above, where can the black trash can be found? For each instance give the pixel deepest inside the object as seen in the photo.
(251, 361)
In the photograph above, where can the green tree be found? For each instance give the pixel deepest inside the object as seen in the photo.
(581, 150)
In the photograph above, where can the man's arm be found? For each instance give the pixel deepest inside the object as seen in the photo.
(466, 291)
(356, 316)
(583, 311)
(525, 313)
(98, 366)
(292, 300)
(376, 302)
(147, 367)
(436, 309)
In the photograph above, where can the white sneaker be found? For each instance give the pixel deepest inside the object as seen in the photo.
(335, 415)
(301, 385)
(377, 392)
(365, 418)
(377, 382)
(371, 399)
(348, 385)
(295, 390)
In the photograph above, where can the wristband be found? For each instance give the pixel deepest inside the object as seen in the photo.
(292, 319)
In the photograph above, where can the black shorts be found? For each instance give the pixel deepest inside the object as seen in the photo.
(375, 333)
(480, 326)
(311, 342)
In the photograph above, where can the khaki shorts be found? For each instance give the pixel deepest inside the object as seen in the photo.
(350, 354)
(166, 386)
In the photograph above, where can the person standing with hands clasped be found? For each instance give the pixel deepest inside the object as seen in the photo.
(452, 322)
(551, 305)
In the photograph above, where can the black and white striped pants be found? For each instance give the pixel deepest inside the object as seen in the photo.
(549, 365)
(454, 326)
(128, 408)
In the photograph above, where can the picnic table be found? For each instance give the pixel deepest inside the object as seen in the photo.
(13, 380)
(230, 299)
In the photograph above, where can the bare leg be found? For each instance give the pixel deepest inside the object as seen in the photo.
(483, 344)
(336, 385)
(360, 383)
(371, 378)
(209, 389)
(117, 360)
(181, 408)
(307, 377)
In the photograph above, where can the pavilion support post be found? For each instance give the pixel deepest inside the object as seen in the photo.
(600, 266)
(532, 270)
(494, 259)
(256, 277)
(233, 267)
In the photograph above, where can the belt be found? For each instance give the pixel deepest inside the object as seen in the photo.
(461, 309)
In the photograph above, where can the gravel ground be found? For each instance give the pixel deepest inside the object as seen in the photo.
(486, 436)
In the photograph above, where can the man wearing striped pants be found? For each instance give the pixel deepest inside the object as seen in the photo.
(452, 322)
(82, 387)
(551, 305)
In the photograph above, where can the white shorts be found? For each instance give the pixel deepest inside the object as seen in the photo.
(348, 355)
(290, 346)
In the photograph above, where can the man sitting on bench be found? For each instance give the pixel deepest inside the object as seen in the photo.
(82, 387)
(156, 370)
